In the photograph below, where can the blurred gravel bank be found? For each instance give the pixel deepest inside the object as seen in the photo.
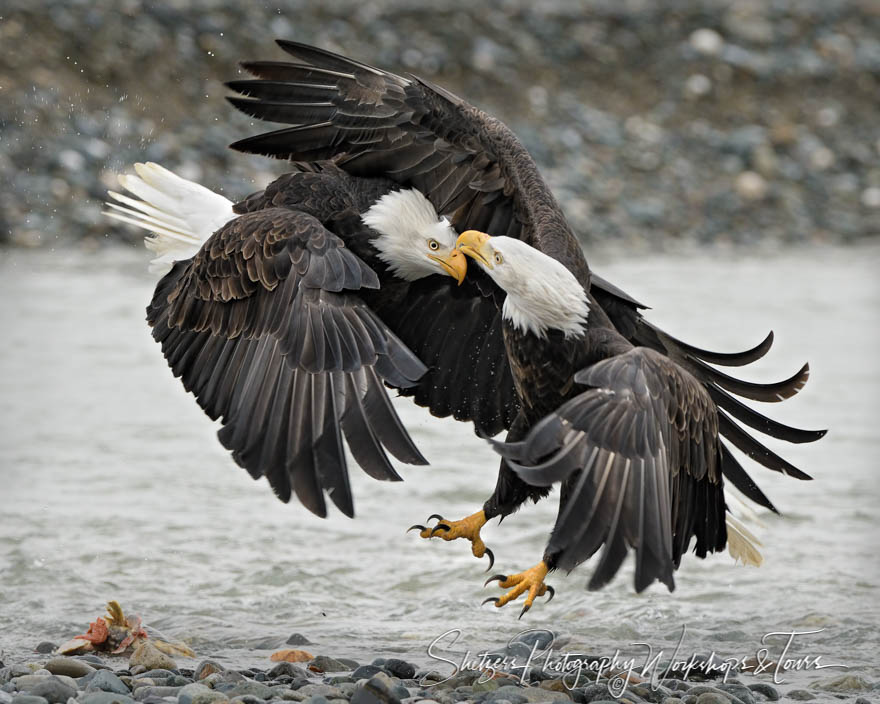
(744, 121)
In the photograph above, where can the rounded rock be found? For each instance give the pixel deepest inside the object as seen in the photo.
(871, 197)
(53, 690)
(209, 698)
(69, 667)
(105, 698)
(106, 681)
(713, 698)
(29, 699)
(205, 668)
(751, 186)
(400, 668)
(45, 647)
(324, 663)
(767, 690)
(706, 41)
(298, 639)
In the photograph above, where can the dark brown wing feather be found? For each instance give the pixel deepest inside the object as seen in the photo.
(638, 456)
(266, 327)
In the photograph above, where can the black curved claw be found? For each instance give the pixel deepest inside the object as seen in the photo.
(552, 594)
(491, 560)
(416, 527)
(435, 515)
(440, 526)
(493, 599)
(499, 577)
(524, 609)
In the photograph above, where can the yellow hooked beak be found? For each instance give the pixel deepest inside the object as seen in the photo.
(455, 264)
(476, 245)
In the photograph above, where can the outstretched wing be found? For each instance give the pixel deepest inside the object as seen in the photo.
(377, 123)
(639, 459)
(266, 327)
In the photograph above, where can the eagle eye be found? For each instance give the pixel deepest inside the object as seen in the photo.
(498, 258)
(433, 245)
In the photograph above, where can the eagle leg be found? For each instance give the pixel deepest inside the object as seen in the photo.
(468, 528)
(531, 581)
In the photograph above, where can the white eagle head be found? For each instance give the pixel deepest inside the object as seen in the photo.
(412, 239)
(541, 293)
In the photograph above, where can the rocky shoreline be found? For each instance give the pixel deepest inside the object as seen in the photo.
(151, 677)
(736, 121)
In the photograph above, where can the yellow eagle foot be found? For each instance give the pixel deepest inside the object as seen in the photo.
(531, 581)
(468, 528)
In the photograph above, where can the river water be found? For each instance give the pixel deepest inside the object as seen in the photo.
(113, 486)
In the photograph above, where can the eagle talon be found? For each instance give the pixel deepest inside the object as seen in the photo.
(468, 528)
(498, 577)
(416, 527)
(493, 599)
(491, 560)
(530, 583)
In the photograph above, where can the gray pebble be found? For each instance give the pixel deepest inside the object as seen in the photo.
(595, 692)
(400, 668)
(105, 698)
(324, 690)
(255, 689)
(288, 669)
(762, 688)
(209, 698)
(53, 690)
(144, 693)
(740, 691)
(862, 700)
(317, 699)
(515, 695)
(248, 699)
(324, 663)
(11, 672)
(69, 667)
(45, 647)
(189, 692)
(156, 674)
(801, 695)
(298, 639)
(365, 672)
(5, 697)
(713, 698)
(29, 699)
(107, 681)
(374, 691)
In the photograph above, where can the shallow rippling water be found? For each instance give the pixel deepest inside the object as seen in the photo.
(113, 486)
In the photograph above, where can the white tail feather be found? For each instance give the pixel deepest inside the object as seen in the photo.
(179, 213)
(741, 544)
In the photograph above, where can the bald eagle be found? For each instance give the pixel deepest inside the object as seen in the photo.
(288, 313)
